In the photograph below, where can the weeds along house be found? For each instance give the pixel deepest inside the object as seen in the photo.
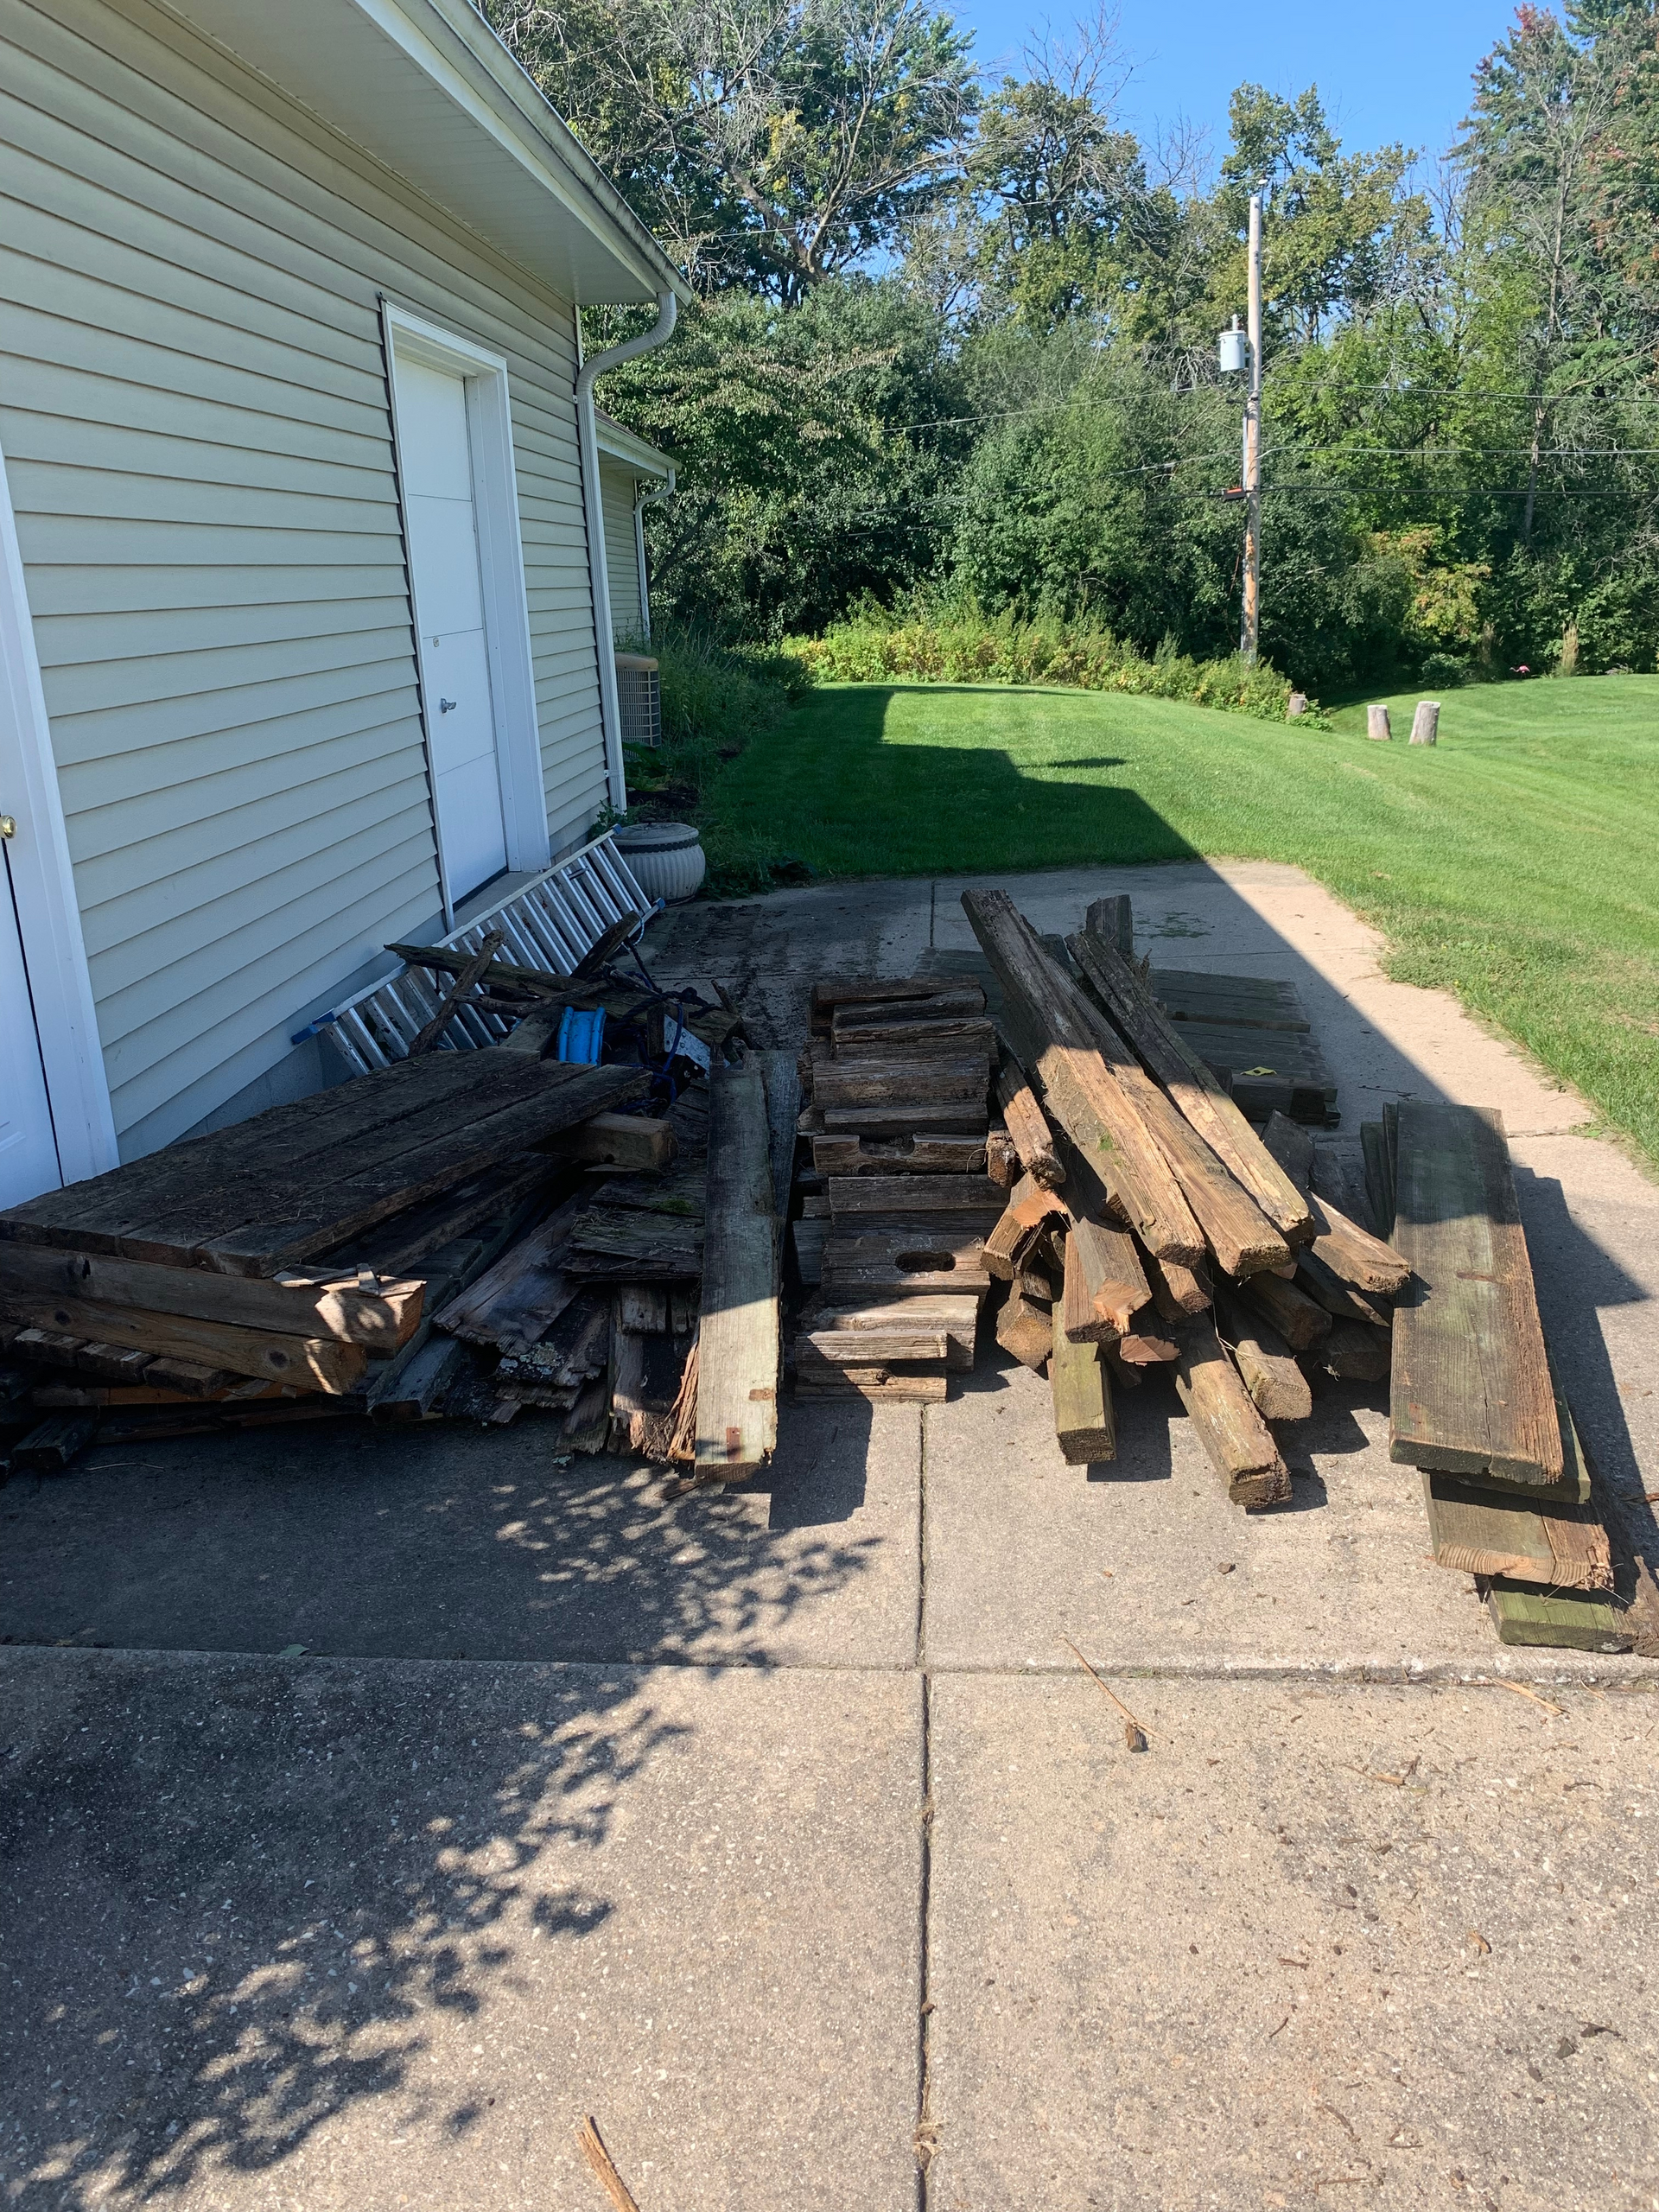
(307, 593)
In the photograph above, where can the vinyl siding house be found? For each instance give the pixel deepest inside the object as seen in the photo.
(307, 597)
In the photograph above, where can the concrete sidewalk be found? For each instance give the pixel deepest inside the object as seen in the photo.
(778, 1828)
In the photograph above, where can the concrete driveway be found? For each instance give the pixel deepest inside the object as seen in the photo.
(377, 1805)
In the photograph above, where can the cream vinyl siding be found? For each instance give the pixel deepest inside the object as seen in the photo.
(618, 490)
(194, 413)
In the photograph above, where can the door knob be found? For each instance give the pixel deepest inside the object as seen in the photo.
(446, 705)
(8, 825)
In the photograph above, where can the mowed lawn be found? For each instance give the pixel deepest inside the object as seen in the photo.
(1517, 862)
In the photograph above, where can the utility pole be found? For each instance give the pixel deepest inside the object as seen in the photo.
(1250, 612)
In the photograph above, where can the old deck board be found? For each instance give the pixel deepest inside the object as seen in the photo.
(1473, 1392)
(234, 1203)
(1476, 1531)
(737, 1345)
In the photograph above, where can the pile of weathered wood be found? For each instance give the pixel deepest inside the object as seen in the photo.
(896, 1199)
(1134, 1216)
(287, 1269)
(1511, 1495)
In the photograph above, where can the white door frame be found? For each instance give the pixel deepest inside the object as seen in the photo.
(43, 884)
(501, 570)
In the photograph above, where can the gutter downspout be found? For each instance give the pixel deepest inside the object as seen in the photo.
(646, 500)
(668, 314)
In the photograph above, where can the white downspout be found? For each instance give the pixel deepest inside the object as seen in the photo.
(646, 500)
(668, 314)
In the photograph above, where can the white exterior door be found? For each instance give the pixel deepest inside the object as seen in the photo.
(439, 504)
(28, 1152)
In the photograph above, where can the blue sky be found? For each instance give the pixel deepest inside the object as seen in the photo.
(1399, 73)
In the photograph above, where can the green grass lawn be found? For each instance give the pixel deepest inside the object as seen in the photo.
(1517, 862)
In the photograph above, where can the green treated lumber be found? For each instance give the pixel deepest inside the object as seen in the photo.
(1564, 1620)
(1083, 1426)
(1472, 1393)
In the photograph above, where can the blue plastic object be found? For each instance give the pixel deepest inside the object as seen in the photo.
(582, 1036)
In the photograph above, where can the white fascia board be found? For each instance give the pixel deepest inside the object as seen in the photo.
(427, 89)
(617, 444)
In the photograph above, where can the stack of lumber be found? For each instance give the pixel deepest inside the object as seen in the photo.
(286, 1268)
(1178, 1237)
(1511, 1497)
(643, 1310)
(903, 1180)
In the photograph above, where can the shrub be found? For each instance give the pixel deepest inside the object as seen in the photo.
(947, 646)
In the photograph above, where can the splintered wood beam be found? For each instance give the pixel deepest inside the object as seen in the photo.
(1189, 1082)
(1051, 1029)
(1233, 1432)
(1083, 1428)
(1276, 1384)
(1327, 1288)
(737, 1358)
(1018, 1227)
(1023, 1118)
(1106, 1285)
(1478, 1531)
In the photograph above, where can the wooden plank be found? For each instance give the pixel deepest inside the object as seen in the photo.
(406, 1242)
(953, 1320)
(309, 1362)
(48, 1448)
(915, 1155)
(1024, 1120)
(1472, 1391)
(737, 1356)
(904, 1258)
(1477, 1531)
(831, 991)
(1194, 1091)
(958, 1040)
(628, 1141)
(1327, 1288)
(953, 1002)
(280, 1137)
(626, 1244)
(1354, 1353)
(1353, 1255)
(1233, 1432)
(110, 1363)
(516, 1300)
(895, 1346)
(1141, 1348)
(1379, 1175)
(974, 1195)
(1083, 1426)
(420, 1388)
(1052, 1028)
(1227, 1000)
(782, 1080)
(902, 1118)
(1277, 1386)
(307, 1305)
(1026, 1330)
(879, 1385)
(1105, 1284)
(1562, 1620)
(837, 1083)
(282, 1232)
(1300, 1319)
